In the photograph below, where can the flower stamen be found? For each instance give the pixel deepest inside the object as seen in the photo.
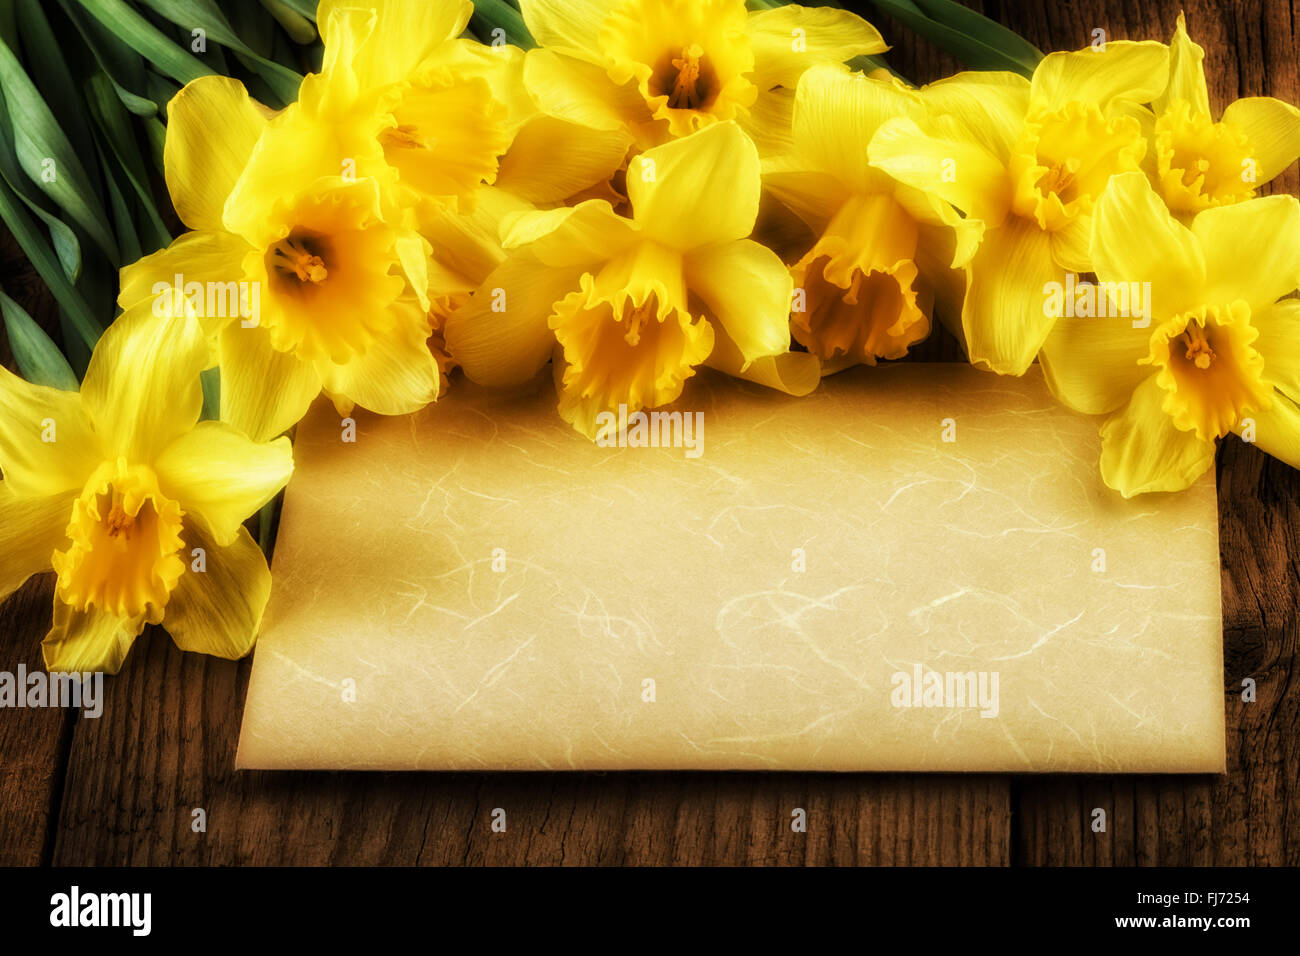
(686, 93)
(1198, 347)
(293, 256)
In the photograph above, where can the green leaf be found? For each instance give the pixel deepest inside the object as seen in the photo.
(491, 15)
(38, 138)
(298, 26)
(65, 240)
(981, 28)
(979, 52)
(114, 57)
(305, 7)
(42, 257)
(128, 240)
(115, 126)
(54, 80)
(204, 15)
(147, 40)
(38, 358)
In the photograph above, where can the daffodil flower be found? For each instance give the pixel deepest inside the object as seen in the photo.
(321, 264)
(1029, 160)
(135, 503)
(631, 307)
(1197, 162)
(885, 251)
(658, 69)
(1221, 354)
(400, 98)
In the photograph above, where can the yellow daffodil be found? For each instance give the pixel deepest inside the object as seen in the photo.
(658, 69)
(1218, 353)
(301, 291)
(884, 251)
(400, 98)
(135, 503)
(630, 307)
(1197, 162)
(1029, 160)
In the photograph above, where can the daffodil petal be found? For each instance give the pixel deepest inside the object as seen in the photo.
(500, 336)
(988, 106)
(1072, 245)
(747, 289)
(551, 160)
(203, 257)
(33, 528)
(1135, 239)
(579, 92)
(1277, 429)
(212, 127)
(580, 235)
(1091, 364)
(787, 40)
(1186, 73)
(220, 476)
(1251, 249)
(951, 165)
(1004, 318)
(263, 391)
(1142, 451)
(794, 373)
(47, 444)
(1273, 128)
(88, 640)
(405, 34)
(142, 388)
(396, 374)
(567, 25)
(1279, 342)
(836, 112)
(698, 190)
(1122, 69)
(218, 610)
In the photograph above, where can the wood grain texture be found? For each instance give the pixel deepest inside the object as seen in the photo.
(122, 788)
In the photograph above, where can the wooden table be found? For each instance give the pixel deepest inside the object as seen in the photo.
(121, 789)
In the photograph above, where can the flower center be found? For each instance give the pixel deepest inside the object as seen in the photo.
(299, 256)
(126, 540)
(330, 272)
(685, 83)
(857, 285)
(1065, 158)
(690, 59)
(1200, 163)
(1212, 375)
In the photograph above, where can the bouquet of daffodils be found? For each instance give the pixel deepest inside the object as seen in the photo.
(627, 190)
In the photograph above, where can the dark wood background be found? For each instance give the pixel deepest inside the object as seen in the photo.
(121, 789)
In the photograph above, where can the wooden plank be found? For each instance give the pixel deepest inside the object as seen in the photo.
(33, 741)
